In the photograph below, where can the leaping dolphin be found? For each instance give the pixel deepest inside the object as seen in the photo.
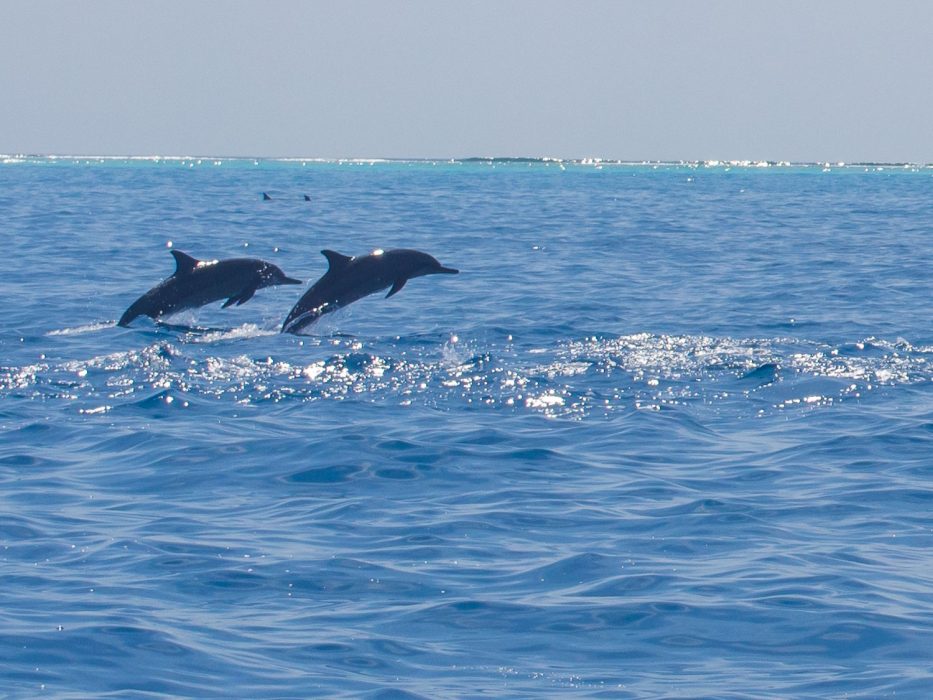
(199, 282)
(349, 279)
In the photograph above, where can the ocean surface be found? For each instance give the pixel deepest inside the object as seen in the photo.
(669, 434)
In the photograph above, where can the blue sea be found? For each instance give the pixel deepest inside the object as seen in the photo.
(668, 434)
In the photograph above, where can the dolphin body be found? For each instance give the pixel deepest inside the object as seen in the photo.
(349, 279)
(196, 283)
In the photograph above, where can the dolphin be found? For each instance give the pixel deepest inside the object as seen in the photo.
(199, 282)
(349, 279)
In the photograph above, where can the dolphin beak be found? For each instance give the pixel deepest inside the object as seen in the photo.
(291, 280)
(448, 270)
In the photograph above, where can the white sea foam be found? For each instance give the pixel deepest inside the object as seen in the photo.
(247, 330)
(570, 379)
(87, 328)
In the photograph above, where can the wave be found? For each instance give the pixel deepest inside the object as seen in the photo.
(570, 378)
(86, 328)
(216, 335)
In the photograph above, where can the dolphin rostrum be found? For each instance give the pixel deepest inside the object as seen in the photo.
(199, 282)
(349, 279)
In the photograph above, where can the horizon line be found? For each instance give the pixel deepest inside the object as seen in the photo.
(8, 158)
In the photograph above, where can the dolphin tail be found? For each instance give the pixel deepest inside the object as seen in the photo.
(128, 316)
(143, 306)
(140, 307)
(296, 322)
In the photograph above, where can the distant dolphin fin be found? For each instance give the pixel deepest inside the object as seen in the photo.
(336, 260)
(184, 263)
(241, 298)
(397, 287)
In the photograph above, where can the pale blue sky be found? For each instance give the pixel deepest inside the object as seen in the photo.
(730, 79)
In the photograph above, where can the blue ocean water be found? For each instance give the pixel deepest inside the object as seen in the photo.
(668, 434)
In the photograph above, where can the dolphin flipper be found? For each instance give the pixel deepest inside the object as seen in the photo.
(397, 287)
(242, 297)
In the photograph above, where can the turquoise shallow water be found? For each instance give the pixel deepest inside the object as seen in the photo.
(668, 434)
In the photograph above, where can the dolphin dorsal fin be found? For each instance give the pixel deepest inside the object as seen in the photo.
(184, 263)
(336, 260)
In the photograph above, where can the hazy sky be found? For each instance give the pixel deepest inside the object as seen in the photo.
(652, 79)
